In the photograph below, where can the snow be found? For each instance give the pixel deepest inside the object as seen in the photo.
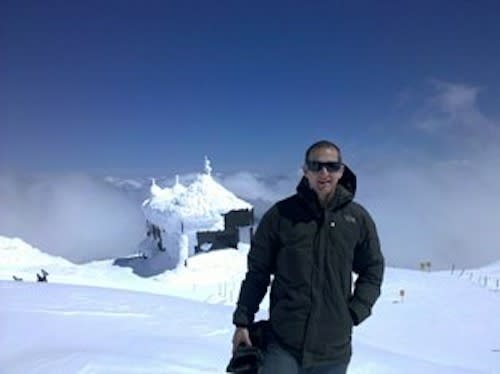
(99, 318)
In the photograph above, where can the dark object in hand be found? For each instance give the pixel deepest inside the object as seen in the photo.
(245, 360)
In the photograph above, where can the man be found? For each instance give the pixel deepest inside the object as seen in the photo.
(311, 242)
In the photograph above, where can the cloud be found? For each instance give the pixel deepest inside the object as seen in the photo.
(446, 213)
(74, 216)
(251, 186)
(452, 110)
(261, 192)
(455, 99)
(441, 202)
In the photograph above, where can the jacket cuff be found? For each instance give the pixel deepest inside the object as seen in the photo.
(359, 311)
(241, 317)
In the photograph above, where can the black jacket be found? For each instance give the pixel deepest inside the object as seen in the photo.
(312, 252)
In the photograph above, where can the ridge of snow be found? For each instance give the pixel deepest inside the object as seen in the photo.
(16, 252)
(201, 280)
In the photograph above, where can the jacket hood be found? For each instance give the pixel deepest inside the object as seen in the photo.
(346, 192)
(348, 180)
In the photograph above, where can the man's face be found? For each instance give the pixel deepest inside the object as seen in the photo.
(323, 181)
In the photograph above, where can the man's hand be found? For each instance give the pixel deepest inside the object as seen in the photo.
(241, 336)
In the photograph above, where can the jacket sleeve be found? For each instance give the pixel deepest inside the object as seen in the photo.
(369, 265)
(261, 264)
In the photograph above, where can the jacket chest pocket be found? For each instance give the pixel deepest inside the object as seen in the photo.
(299, 236)
(344, 235)
(295, 257)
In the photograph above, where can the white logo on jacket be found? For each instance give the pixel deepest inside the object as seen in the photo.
(350, 218)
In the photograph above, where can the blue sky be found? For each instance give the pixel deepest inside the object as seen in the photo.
(129, 87)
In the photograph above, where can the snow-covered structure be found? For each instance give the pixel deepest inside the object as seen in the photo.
(179, 217)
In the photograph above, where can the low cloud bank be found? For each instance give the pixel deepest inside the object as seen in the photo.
(74, 216)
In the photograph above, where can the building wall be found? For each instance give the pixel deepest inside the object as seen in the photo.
(230, 236)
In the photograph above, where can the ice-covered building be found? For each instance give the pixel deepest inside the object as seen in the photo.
(184, 220)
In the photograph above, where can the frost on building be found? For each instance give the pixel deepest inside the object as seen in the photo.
(185, 220)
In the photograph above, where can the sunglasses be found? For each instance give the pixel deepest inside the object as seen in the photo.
(330, 166)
